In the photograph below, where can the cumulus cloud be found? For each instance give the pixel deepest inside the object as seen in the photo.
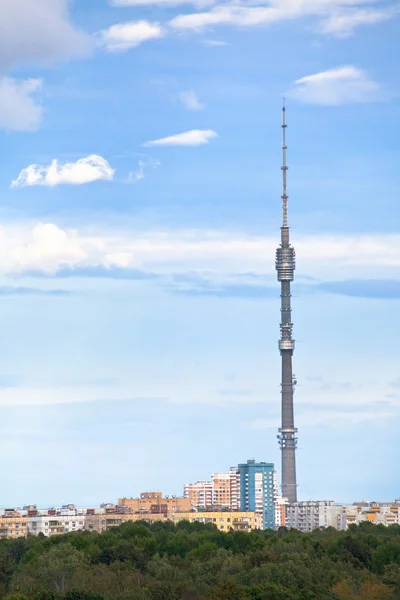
(337, 86)
(85, 170)
(19, 109)
(336, 17)
(123, 36)
(195, 137)
(38, 31)
(190, 100)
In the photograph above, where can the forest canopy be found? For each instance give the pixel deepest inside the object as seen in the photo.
(162, 561)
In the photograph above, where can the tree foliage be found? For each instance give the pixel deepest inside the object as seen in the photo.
(138, 561)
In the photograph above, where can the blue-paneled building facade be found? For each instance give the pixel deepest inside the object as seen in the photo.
(256, 480)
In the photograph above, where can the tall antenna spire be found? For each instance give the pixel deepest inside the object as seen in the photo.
(284, 167)
(285, 266)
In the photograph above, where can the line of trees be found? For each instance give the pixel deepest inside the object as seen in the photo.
(162, 561)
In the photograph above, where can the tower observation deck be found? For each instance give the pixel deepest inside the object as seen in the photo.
(285, 264)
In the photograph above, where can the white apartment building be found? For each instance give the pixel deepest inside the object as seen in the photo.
(309, 515)
(56, 521)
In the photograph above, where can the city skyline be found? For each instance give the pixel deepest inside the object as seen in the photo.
(139, 302)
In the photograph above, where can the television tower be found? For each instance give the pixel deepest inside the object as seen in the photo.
(285, 266)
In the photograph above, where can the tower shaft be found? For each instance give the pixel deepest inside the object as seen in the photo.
(285, 266)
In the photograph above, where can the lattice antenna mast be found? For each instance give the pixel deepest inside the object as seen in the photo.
(284, 169)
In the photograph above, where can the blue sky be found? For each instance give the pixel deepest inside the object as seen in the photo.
(139, 216)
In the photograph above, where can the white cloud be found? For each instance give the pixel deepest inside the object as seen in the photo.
(337, 86)
(228, 14)
(343, 22)
(85, 170)
(19, 111)
(190, 100)
(195, 137)
(124, 36)
(38, 30)
(47, 247)
(336, 17)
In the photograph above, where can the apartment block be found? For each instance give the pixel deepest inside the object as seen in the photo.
(113, 516)
(56, 521)
(224, 521)
(155, 503)
(257, 490)
(280, 511)
(199, 494)
(309, 515)
(379, 513)
(234, 480)
(13, 523)
(221, 489)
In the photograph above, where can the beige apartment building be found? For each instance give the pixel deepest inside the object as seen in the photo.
(224, 521)
(155, 503)
(113, 517)
(199, 494)
(222, 490)
(13, 524)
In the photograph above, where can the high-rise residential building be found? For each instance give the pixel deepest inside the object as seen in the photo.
(221, 489)
(234, 481)
(257, 490)
(199, 494)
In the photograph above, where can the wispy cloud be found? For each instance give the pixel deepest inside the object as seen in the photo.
(363, 288)
(337, 86)
(208, 262)
(85, 170)
(140, 173)
(343, 22)
(190, 100)
(123, 36)
(335, 17)
(195, 137)
(29, 291)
